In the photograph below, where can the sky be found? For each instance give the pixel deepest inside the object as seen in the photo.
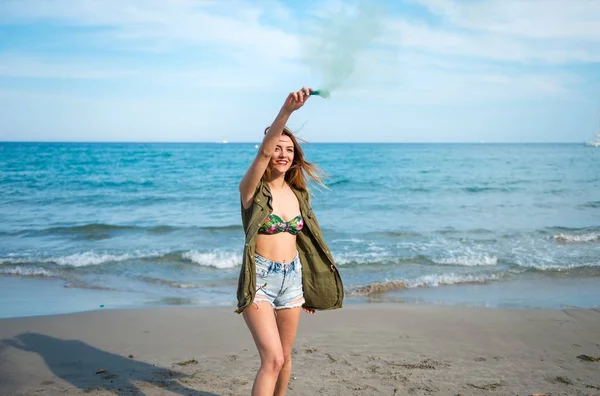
(206, 71)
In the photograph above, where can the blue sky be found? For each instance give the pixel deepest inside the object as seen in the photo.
(185, 70)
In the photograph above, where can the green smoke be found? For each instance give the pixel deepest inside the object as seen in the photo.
(340, 40)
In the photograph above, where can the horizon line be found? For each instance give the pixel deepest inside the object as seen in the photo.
(258, 142)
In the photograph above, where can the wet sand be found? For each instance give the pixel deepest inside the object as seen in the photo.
(368, 349)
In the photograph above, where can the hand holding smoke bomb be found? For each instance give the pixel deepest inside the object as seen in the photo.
(322, 93)
(296, 99)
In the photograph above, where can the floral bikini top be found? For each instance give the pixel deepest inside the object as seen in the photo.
(275, 224)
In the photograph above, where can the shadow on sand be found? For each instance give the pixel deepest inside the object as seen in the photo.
(87, 368)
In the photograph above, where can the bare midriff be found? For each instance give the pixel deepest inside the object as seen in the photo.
(277, 247)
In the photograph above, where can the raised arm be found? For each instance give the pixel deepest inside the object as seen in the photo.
(248, 184)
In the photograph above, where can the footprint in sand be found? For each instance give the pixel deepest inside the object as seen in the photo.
(561, 379)
(331, 358)
(488, 387)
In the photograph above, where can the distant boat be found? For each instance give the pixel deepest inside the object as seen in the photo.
(596, 141)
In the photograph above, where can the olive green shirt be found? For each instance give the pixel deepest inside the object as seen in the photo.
(321, 281)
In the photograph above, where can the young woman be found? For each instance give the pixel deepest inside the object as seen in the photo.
(287, 265)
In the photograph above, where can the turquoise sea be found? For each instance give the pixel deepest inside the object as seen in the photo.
(107, 225)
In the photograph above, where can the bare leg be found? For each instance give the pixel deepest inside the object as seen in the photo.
(287, 323)
(260, 319)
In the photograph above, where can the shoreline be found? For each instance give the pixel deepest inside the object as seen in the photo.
(529, 293)
(360, 349)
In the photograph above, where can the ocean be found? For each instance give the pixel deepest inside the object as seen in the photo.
(87, 226)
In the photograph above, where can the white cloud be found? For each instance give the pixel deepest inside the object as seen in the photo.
(143, 22)
(548, 19)
(222, 65)
(38, 67)
(487, 45)
(229, 43)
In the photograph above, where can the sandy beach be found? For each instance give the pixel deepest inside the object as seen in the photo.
(371, 349)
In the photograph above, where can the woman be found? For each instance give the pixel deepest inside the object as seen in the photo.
(286, 265)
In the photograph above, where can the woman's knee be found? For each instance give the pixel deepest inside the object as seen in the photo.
(274, 363)
(287, 359)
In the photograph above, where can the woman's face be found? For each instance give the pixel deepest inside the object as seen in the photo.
(284, 154)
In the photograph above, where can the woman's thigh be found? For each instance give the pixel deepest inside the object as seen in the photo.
(287, 324)
(260, 319)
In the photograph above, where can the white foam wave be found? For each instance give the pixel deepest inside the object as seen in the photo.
(84, 259)
(568, 238)
(89, 258)
(217, 259)
(366, 256)
(449, 279)
(28, 272)
(469, 260)
(434, 280)
(550, 266)
(350, 240)
(466, 257)
(456, 252)
(170, 283)
(184, 285)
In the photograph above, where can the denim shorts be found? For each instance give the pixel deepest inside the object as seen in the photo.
(280, 284)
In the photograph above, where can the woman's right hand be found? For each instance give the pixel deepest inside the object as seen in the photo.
(295, 100)
(309, 311)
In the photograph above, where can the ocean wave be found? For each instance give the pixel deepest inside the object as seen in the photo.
(591, 204)
(216, 259)
(554, 191)
(538, 260)
(551, 266)
(96, 183)
(86, 229)
(377, 256)
(169, 283)
(340, 182)
(475, 231)
(232, 227)
(434, 280)
(468, 260)
(91, 258)
(457, 251)
(577, 238)
(80, 284)
(28, 272)
(350, 240)
(101, 230)
(399, 234)
(476, 189)
(354, 183)
(368, 257)
(84, 259)
(418, 189)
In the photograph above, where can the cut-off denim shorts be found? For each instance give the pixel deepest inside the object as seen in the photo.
(280, 284)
